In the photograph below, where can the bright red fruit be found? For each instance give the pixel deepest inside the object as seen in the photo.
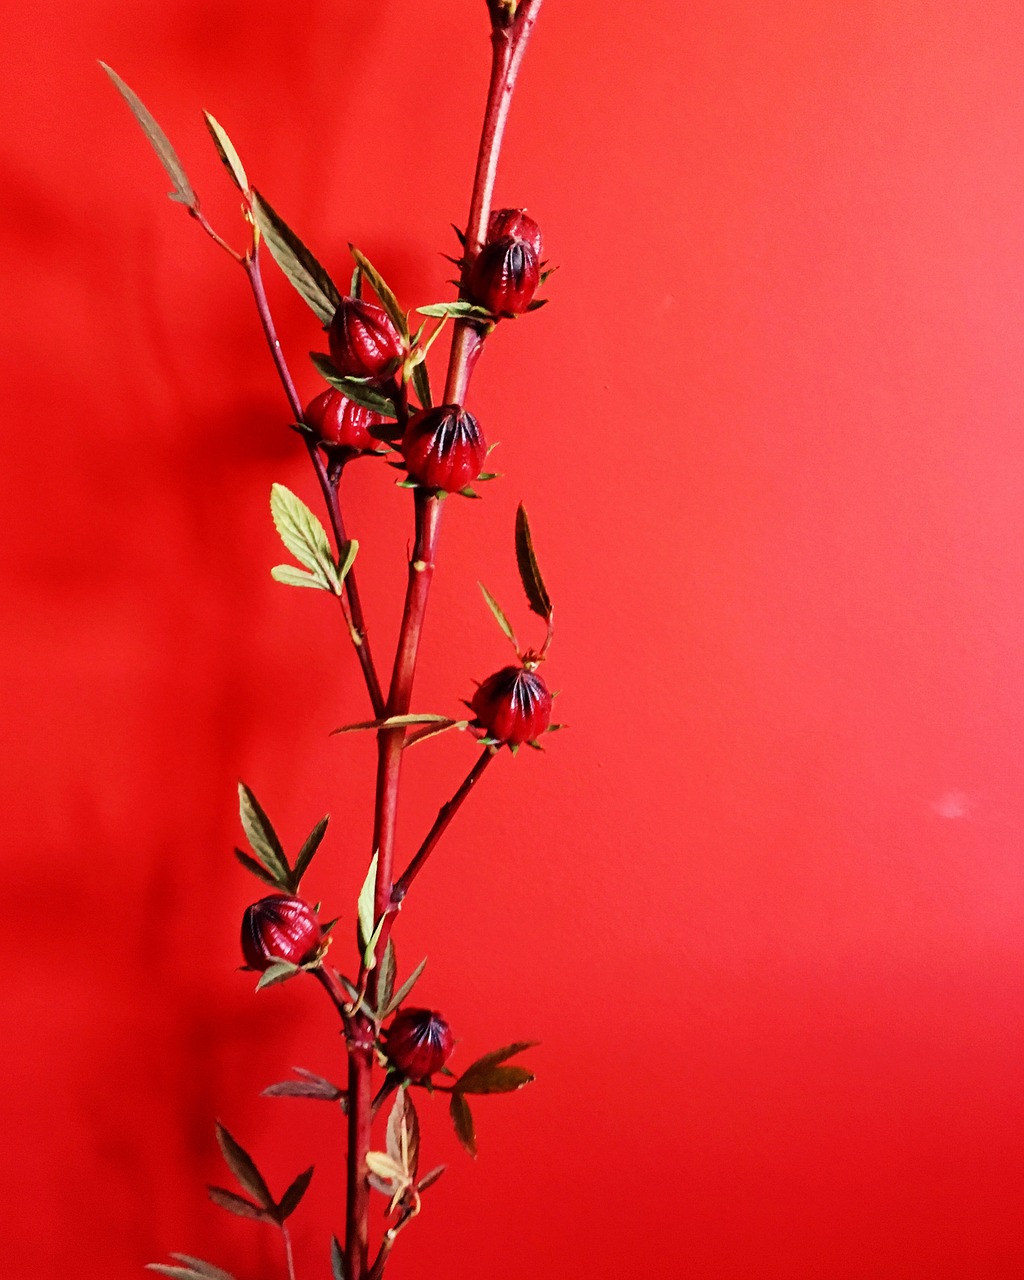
(363, 340)
(517, 224)
(444, 448)
(279, 928)
(504, 276)
(513, 705)
(340, 423)
(418, 1042)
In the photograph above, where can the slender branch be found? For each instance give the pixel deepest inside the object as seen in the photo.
(354, 613)
(289, 1256)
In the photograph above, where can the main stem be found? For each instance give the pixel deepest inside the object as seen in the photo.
(507, 47)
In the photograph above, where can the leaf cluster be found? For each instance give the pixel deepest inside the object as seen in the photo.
(489, 1074)
(269, 862)
(257, 1203)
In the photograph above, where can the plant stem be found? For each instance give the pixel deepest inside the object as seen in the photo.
(289, 1257)
(354, 615)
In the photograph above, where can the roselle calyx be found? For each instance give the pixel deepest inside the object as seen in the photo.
(504, 277)
(418, 1043)
(340, 425)
(519, 225)
(363, 340)
(513, 706)
(280, 928)
(444, 448)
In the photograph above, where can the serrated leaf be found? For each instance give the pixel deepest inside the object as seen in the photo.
(291, 1199)
(158, 140)
(386, 976)
(261, 835)
(292, 577)
(254, 868)
(308, 850)
(499, 616)
(237, 1205)
(365, 908)
(494, 1080)
(204, 1268)
(529, 571)
(459, 310)
(280, 971)
(462, 1120)
(403, 991)
(337, 1260)
(244, 1168)
(226, 150)
(383, 291)
(303, 535)
(309, 278)
(362, 393)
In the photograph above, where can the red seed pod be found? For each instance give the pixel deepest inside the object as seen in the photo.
(340, 423)
(513, 705)
(444, 448)
(279, 928)
(517, 224)
(418, 1042)
(504, 276)
(363, 340)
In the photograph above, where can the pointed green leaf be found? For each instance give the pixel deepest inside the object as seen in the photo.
(393, 722)
(430, 1178)
(387, 298)
(176, 1273)
(386, 976)
(309, 848)
(289, 576)
(309, 1086)
(462, 1119)
(421, 383)
(277, 973)
(158, 140)
(244, 1168)
(403, 990)
(347, 559)
(304, 535)
(254, 868)
(499, 616)
(310, 279)
(261, 835)
(366, 913)
(226, 150)
(459, 309)
(337, 1260)
(529, 571)
(362, 393)
(432, 731)
(289, 1202)
(237, 1205)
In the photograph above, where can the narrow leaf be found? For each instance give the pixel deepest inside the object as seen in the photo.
(158, 140)
(277, 973)
(175, 1273)
(529, 571)
(386, 976)
(384, 1167)
(365, 909)
(254, 868)
(303, 534)
(310, 279)
(226, 150)
(349, 551)
(289, 1202)
(204, 1268)
(393, 722)
(244, 1168)
(430, 1178)
(362, 393)
(322, 1090)
(292, 577)
(261, 835)
(460, 310)
(309, 848)
(387, 298)
(500, 1055)
(403, 1134)
(432, 731)
(462, 1119)
(237, 1205)
(421, 383)
(403, 990)
(499, 616)
(494, 1079)
(337, 1260)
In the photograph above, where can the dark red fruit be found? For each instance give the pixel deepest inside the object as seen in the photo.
(418, 1042)
(340, 423)
(444, 448)
(513, 705)
(279, 928)
(515, 223)
(363, 340)
(504, 276)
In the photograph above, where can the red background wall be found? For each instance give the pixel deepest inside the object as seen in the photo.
(763, 904)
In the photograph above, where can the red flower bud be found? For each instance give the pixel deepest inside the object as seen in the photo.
(279, 928)
(444, 448)
(363, 340)
(513, 705)
(418, 1042)
(340, 423)
(504, 276)
(515, 223)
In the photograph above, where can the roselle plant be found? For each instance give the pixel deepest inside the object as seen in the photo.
(378, 407)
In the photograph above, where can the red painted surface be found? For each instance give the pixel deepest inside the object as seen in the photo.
(763, 903)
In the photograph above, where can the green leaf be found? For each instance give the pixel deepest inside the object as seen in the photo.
(387, 298)
(204, 1268)
(393, 722)
(403, 990)
(529, 571)
(244, 1168)
(349, 551)
(237, 1205)
(421, 383)
(261, 835)
(432, 731)
(369, 952)
(459, 310)
(499, 616)
(362, 393)
(365, 910)
(289, 1202)
(309, 848)
(494, 1079)
(337, 1260)
(158, 140)
(254, 868)
(289, 576)
(386, 976)
(277, 973)
(226, 150)
(462, 1120)
(310, 279)
(304, 536)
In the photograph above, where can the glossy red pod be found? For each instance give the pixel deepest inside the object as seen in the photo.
(419, 1042)
(517, 224)
(363, 339)
(280, 928)
(504, 276)
(513, 705)
(444, 448)
(340, 423)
